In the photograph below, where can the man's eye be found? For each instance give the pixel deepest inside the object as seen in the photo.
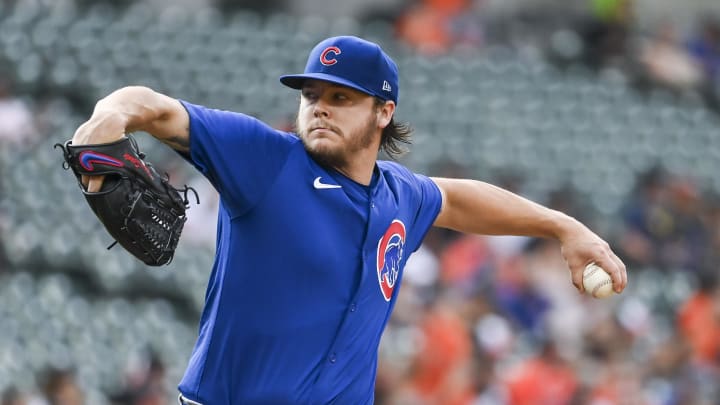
(309, 95)
(341, 96)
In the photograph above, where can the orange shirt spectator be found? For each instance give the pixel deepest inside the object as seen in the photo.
(463, 258)
(447, 7)
(544, 380)
(441, 370)
(424, 29)
(699, 322)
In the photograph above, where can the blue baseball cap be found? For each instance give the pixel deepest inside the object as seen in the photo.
(353, 62)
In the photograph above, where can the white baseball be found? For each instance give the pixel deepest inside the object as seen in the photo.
(596, 281)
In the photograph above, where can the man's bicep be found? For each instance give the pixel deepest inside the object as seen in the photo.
(443, 218)
(459, 204)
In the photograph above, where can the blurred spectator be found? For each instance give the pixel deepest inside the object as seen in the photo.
(607, 32)
(485, 383)
(12, 396)
(698, 321)
(606, 340)
(201, 226)
(59, 388)
(17, 127)
(666, 63)
(517, 297)
(711, 213)
(683, 381)
(422, 268)
(493, 333)
(565, 317)
(440, 372)
(704, 46)
(434, 26)
(545, 379)
(465, 261)
(646, 220)
(617, 381)
(424, 29)
(567, 200)
(684, 248)
(144, 383)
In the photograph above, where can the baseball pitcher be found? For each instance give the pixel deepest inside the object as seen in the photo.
(314, 230)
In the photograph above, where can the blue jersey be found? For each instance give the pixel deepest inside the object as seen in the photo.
(307, 267)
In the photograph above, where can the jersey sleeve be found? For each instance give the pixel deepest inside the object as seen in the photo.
(240, 155)
(429, 199)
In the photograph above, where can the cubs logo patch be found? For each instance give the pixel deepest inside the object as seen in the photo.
(389, 254)
(88, 159)
(327, 57)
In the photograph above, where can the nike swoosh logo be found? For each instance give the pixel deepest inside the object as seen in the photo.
(320, 186)
(88, 159)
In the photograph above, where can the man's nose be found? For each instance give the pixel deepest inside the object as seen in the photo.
(320, 109)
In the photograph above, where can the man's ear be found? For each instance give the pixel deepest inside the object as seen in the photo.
(385, 113)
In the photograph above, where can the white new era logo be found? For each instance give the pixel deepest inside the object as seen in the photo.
(386, 86)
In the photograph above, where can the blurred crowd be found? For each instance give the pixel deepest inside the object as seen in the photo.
(683, 60)
(143, 385)
(604, 35)
(495, 320)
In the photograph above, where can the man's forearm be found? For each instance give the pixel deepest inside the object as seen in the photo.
(477, 207)
(137, 108)
(129, 105)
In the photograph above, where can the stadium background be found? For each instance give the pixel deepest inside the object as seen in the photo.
(605, 109)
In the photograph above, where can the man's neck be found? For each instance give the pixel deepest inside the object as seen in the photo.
(361, 165)
(360, 172)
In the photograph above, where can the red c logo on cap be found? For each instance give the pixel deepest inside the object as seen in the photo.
(331, 60)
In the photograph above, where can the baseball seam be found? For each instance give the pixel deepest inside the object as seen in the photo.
(593, 269)
(590, 271)
(597, 287)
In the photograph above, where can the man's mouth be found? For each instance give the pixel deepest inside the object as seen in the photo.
(321, 128)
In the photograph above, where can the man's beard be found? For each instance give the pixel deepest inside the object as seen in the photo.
(339, 156)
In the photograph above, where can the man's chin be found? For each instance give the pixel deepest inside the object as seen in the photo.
(325, 155)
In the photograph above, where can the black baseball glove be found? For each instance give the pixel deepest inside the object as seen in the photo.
(138, 207)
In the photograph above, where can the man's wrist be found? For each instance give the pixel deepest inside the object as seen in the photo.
(563, 226)
(109, 124)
